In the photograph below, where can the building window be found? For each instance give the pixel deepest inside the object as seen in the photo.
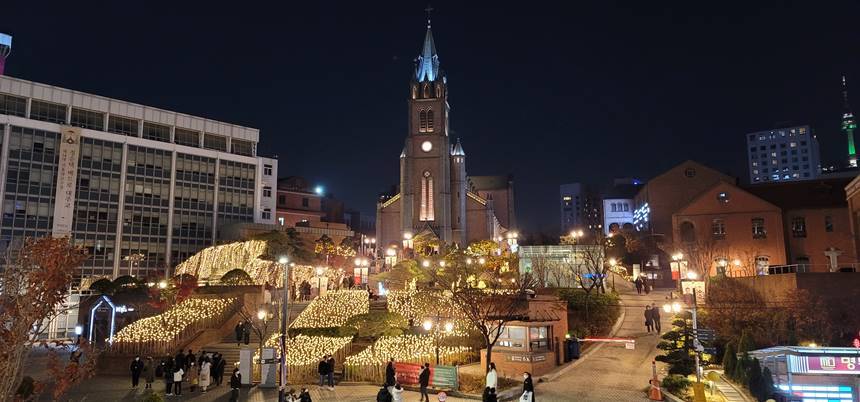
(762, 263)
(798, 226)
(267, 191)
(122, 125)
(718, 228)
(157, 132)
(266, 214)
(758, 231)
(13, 105)
(282, 199)
(626, 207)
(688, 232)
(614, 207)
(828, 223)
(539, 339)
(216, 142)
(690, 172)
(426, 212)
(267, 170)
(425, 121)
(305, 202)
(46, 111)
(723, 197)
(88, 119)
(512, 338)
(189, 138)
(281, 220)
(240, 147)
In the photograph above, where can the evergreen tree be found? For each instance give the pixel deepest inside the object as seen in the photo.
(754, 380)
(741, 371)
(745, 343)
(730, 360)
(767, 383)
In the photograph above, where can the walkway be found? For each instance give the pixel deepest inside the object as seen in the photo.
(613, 373)
(728, 391)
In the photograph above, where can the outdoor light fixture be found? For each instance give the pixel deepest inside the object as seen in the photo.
(428, 325)
(79, 330)
(319, 190)
(482, 261)
(407, 236)
(442, 263)
(672, 308)
(468, 261)
(613, 262)
(449, 326)
(425, 263)
(320, 271)
(390, 252)
(162, 285)
(692, 275)
(283, 260)
(737, 262)
(261, 315)
(677, 256)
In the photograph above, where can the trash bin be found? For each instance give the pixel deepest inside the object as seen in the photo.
(571, 349)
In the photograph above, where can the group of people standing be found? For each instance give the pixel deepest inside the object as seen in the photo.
(325, 368)
(392, 391)
(652, 318)
(243, 332)
(199, 371)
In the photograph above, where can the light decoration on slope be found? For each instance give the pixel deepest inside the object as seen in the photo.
(304, 350)
(333, 309)
(211, 263)
(403, 348)
(167, 325)
(418, 305)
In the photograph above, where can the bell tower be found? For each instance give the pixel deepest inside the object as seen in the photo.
(425, 179)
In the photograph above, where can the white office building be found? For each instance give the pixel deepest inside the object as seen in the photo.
(783, 154)
(140, 188)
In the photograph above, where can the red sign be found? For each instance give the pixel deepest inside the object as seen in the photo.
(834, 364)
(407, 373)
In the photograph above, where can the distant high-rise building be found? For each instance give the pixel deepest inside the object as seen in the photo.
(5, 49)
(848, 125)
(783, 154)
(580, 207)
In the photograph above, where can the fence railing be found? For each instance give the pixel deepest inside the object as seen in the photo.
(170, 346)
(376, 372)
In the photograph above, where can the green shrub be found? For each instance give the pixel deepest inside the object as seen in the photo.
(102, 286)
(475, 384)
(329, 332)
(603, 311)
(675, 384)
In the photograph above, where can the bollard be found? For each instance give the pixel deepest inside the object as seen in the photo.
(655, 394)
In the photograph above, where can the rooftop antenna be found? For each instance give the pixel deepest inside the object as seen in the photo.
(5, 49)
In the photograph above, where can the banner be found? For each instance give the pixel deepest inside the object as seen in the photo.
(441, 377)
(67, 176)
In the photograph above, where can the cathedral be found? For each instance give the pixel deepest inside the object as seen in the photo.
(435, 196)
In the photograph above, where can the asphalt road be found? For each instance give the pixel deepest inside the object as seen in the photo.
(613, 373)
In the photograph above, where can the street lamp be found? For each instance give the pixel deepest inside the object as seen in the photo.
(612, 263)
(677, 308)
(319, 271)
(162, 284)
(425, 263)
(283, 260)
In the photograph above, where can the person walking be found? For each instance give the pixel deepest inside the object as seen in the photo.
(235, 384)
(149, 372)
(492, 377)
(528, 388)
(396, 393)
(205, 375)
(330, 363)
(220, 366)
(179, 360)
(390, 373)
(424, 382)
(645, 285)
(240, 331)
(649, 323)
(322, 370)
(178, 372)
(489, 395)
(136, 368)
(638, 283)
(168, 375)
(384, 395)
(655, 318)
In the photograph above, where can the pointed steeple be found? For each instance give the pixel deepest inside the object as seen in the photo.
(458, 149)
(428, 61)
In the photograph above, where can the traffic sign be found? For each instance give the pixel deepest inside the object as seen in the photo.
(710, 351)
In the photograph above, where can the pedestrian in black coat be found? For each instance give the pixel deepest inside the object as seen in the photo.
(240, 331)
(322, 369)
(330, 363)
(424, 382)
(528, 386)
(179, 360)
(136, 368)
(390, 373)
(655, 317)
(235, 384)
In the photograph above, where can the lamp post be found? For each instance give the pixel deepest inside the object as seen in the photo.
(361, 267)
(676, 261)
(319, 271)
(285, 308)
(432, 324)
(612, 263)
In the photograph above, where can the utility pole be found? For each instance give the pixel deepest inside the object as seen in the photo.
(285, 308)
(696, 344)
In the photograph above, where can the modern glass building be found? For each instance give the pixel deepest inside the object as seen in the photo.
(141, 188)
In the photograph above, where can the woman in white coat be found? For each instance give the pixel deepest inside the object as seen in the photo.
(205, 377)
(492, 377)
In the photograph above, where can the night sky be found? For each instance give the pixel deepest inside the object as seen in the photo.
(551, 92)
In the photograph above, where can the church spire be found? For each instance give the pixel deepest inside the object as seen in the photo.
(457, 150)
(428, 61)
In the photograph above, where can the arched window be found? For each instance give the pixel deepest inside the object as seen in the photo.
(430, 121)
(688, 232)
(426, 213)
(426, 91)
(422, 121)
(614, 207)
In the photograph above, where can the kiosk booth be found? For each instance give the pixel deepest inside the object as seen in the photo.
(807, 374)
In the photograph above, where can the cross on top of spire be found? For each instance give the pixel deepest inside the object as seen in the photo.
(428, 10)
(427, 68)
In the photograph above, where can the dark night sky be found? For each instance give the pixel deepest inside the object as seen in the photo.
(551, 92)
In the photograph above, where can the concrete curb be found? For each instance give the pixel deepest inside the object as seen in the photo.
(615, 328)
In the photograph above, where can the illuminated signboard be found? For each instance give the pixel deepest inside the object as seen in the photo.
(823, 393)
(824, 364)
(5, 40)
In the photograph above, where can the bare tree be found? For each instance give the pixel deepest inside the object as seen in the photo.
(590, 268)
(35, 285)
(701, 255)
